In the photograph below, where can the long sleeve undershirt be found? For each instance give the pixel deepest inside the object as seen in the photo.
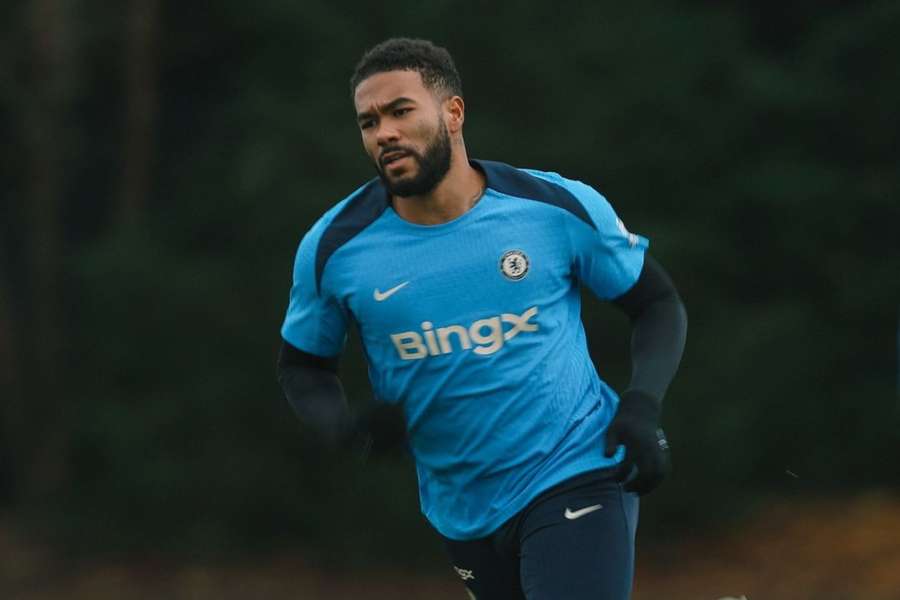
(658, 329)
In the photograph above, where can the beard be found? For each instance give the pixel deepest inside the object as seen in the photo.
(432, 164)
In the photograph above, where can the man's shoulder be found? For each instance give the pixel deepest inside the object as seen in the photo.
(357, 209)
(340, 224)
(546, 187)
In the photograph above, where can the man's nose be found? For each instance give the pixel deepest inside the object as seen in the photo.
(386, 134)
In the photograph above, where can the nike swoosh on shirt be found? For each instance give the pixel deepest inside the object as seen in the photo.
(575, 514)
(380, 296)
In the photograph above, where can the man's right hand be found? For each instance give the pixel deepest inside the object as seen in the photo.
(381, 429)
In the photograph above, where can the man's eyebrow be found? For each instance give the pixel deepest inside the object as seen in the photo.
(387, 107)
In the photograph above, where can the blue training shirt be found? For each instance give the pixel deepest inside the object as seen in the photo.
(474, 328)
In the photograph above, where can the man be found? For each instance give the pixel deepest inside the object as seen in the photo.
(462, 277)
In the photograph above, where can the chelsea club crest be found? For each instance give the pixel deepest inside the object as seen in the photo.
(514, 265)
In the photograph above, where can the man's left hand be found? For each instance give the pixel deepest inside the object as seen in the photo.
(636, 426)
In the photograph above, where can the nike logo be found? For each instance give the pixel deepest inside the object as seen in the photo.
(381, 296)
(575, 514)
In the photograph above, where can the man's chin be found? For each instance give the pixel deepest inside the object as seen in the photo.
(404, 173)
(401, 185)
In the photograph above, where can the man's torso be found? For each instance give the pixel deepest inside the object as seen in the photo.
(473, 327)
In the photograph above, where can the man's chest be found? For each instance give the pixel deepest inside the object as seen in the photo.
(449, 283)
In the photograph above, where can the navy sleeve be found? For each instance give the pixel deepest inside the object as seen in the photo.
(659, 329)
(312, 388)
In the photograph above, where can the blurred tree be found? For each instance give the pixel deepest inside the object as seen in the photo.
(51, 79)
(10, 389)
(140, 74)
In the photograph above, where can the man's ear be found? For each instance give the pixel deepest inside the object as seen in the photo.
(454, 113)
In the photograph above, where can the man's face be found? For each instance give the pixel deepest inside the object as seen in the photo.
(403, 131)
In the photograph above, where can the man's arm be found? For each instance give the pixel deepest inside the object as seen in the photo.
(659, 329)
(313, 389)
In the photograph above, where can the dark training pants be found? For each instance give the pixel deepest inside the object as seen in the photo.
(575, 541)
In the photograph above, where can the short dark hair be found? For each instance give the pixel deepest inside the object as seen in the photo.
(431, 62)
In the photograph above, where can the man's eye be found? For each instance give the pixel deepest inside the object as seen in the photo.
(401, 111)
(366, 124)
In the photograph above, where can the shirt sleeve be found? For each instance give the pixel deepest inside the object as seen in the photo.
(607, 257)
(314, 322)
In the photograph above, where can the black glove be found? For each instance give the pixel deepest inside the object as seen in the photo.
(636, 426)
(379, 431)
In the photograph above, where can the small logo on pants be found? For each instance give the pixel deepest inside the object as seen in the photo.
(575, 514)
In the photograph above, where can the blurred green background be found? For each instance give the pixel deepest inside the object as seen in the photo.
(161, 161)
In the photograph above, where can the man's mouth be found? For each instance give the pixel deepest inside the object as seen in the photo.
(391, 157)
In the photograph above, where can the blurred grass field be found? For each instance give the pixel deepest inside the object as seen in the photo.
(840, 548)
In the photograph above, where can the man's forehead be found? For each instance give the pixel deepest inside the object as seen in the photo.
(381, 88)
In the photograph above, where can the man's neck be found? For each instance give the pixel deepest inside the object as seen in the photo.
(451, 198)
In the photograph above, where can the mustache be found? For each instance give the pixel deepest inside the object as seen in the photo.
(393, 150)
